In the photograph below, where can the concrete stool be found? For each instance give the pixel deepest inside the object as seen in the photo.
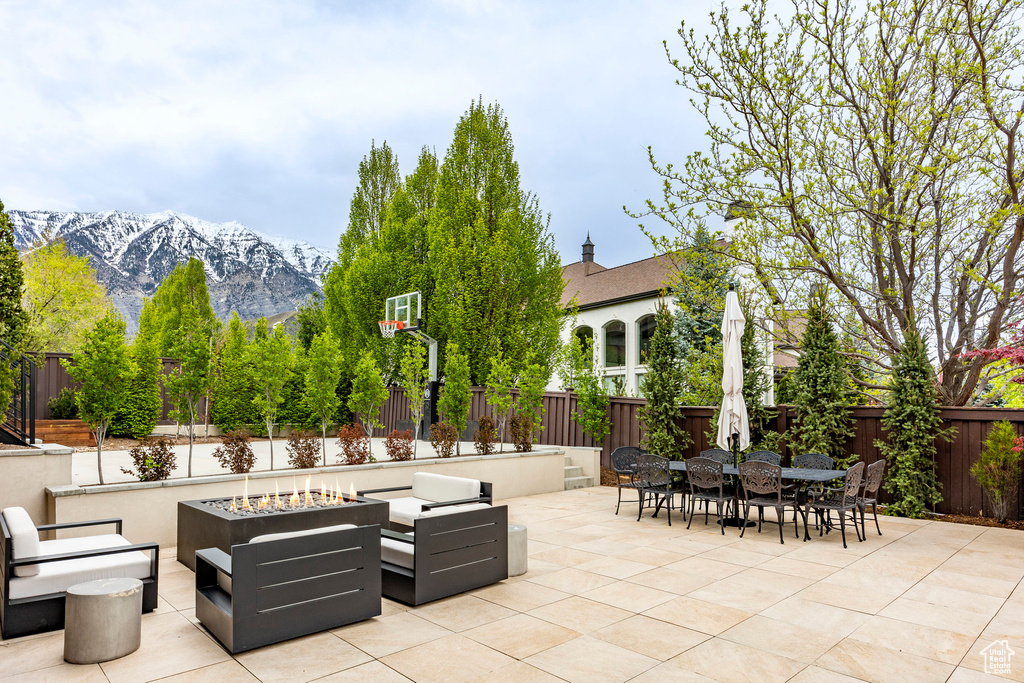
(102, 620)
(517, 558)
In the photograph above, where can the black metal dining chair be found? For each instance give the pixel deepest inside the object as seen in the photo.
(762, 487)
(813, 461)
(707, 484)
(656, 483)
(842, 500)
(624, 464)
(869, 492)
(764, 456)
(718, 455)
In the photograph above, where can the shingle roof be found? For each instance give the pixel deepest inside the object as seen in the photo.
(595, 285)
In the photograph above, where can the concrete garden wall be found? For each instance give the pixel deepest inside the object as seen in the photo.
(149, 510)
(25, 472)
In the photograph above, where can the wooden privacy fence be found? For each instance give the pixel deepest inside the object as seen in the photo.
(960, 493)
(51, 378)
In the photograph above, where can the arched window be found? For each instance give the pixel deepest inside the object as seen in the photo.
(614, 344)
(586, 335)
(645, 331)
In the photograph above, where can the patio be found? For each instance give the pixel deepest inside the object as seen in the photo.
(608, 598)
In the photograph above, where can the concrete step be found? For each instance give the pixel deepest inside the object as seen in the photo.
(571, 471)
(578, 483)
(568, 461)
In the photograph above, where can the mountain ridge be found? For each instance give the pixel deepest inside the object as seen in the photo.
(247, 271)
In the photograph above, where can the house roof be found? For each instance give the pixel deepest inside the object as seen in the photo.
(594, 285)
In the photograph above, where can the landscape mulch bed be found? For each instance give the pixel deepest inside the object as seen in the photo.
(116, 443)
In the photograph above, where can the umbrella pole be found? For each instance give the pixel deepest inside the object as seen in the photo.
(736, 521)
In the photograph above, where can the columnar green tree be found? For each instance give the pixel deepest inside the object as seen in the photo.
(142, 405)
(532, 382)
(182, 293)
(497, 274)
(912, 425)
(876, 147)
(103, 366)
(190, 381)
(234, 387)
(662, 386)
(824, 420)
(413, 376)
(457, 394)
(310, 320)
(591, 412)
(13, 318)
(62, 298)
(323, 372)
(368, 395)
(379, 179)
(498, 392)
(272, 359)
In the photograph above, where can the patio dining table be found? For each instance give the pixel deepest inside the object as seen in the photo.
(804, 476)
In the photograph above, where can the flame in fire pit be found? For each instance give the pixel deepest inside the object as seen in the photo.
(299, 498)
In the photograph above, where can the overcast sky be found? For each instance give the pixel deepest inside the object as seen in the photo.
(260, 111)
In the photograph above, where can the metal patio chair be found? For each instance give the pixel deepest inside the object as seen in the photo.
(764, 456)
(869, 492)
(762, 487)
(656, 481)
(624, 464)
(707, 484)
(842, 500)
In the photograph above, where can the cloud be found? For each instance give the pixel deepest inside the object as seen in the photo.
(260, 111)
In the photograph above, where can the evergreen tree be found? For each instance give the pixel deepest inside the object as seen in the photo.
(456, 394)
(913, 425)
(323, 372)
(62, 298)
(661, 417)
(13, 318)
(271, 358)
(234, 387)
(103, 366)
(368, 395)
(497, 274)
(701, 282)
(143, 404)
(821, 389)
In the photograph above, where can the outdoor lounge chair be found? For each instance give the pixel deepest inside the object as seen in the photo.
(448, 552)
(282, 586)
(36, 574)
(432, 492)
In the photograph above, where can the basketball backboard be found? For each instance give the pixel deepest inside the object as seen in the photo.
(404, 308)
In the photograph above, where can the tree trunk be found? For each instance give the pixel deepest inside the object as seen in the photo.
(270, 436)
(323, 440)
(98, 434)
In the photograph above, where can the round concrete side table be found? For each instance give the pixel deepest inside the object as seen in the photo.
(517, 559)
(102, 620)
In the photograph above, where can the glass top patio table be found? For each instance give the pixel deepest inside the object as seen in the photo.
(791, 473)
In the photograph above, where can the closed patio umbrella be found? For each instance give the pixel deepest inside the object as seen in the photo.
(733, 426)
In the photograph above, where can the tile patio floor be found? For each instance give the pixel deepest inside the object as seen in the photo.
(608, 598)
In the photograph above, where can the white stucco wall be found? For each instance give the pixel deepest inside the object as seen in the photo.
(628, 313)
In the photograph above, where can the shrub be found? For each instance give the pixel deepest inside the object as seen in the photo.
(998, 469)
(398, 445)
(235, 453)
(153, 460)
(354, 445)
(521, 429)
(443, 437)
(303, 449)
(63, 405)
(484, 435)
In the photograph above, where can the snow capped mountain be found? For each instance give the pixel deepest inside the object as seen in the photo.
(246, 271)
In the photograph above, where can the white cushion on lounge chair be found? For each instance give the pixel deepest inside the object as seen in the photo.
(441, 488)
(406, 510)
(24, 537)
(454, 508)
(304, 532)
(397, 552)
(57, 577)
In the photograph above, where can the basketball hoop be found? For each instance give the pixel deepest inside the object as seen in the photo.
(389, 327)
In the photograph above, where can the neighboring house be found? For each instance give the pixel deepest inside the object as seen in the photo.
(616, 311)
